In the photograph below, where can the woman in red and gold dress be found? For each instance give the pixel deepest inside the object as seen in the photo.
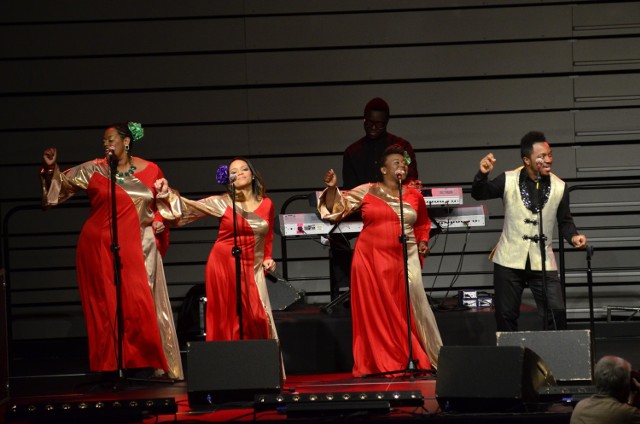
(378, 294)
(254, 218)
(149, 336)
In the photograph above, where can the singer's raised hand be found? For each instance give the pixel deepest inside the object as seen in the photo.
(162, 186)
(49, 157)
(487, 163)
(330, 178)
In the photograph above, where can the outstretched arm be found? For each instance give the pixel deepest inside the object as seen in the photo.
(180, 210)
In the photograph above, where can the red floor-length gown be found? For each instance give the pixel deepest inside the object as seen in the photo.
(378, 292)
(255, 238)
(149, 333)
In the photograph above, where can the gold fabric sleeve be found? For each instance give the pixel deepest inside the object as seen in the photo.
(346, 202)
(63, 185)
(181, 211)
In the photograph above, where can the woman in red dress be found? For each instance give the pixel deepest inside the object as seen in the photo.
(254, 217)
(378, 293)
(149, 336)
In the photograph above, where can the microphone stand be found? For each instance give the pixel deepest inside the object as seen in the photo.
(236, 252)
(412, 365)
(117, 279)
(117, 264)
(592, 325)
(542, 239)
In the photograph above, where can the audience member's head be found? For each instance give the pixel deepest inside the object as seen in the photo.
(611, 376)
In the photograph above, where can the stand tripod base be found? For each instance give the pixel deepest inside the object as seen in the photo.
(329, 307)
(123, 379)
(411, 372)
(411, 369)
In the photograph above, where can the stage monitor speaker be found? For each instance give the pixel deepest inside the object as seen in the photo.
(490, 379)
(566, 352)
(232, 371)
(281, 293)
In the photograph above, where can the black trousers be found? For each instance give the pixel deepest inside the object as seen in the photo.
(509, 284)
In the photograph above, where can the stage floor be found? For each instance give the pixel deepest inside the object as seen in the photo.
(92, 388)
(316, 348)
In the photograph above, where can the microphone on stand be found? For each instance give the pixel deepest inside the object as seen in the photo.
(399, 174)
(111, 157)
(539, 163)
(232, 178)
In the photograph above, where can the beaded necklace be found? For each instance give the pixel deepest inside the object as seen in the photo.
(120, 176)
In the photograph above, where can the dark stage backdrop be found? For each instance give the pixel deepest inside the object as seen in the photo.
(284, 82)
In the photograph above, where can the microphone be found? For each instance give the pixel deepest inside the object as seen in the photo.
(539, 163)
(111, 157)
(232, 178)
(399, 173)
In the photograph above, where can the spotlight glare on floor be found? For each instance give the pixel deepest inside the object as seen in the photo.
(331, 403)
(86, 411)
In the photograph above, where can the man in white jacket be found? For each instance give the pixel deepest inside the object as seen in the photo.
(517, 257)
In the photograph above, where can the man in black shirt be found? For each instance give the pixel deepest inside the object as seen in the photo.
(360, 160)
(517, 257)
(360, 166)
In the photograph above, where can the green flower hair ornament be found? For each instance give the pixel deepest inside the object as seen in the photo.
(407, 158)
(136, 130)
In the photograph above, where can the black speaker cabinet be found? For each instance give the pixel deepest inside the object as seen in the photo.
(490, 379)
(281, 293)
(566, 352)
(232, 371)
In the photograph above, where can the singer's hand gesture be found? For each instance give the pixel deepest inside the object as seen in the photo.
(269, 265)
(487, 163)
(162, 186)
(330, 178)
(423, 248)
(417, 184)
(579, 241)
(157, 226)
(49, 157)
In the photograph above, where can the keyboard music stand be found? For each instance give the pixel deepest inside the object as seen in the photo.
(329, 307)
